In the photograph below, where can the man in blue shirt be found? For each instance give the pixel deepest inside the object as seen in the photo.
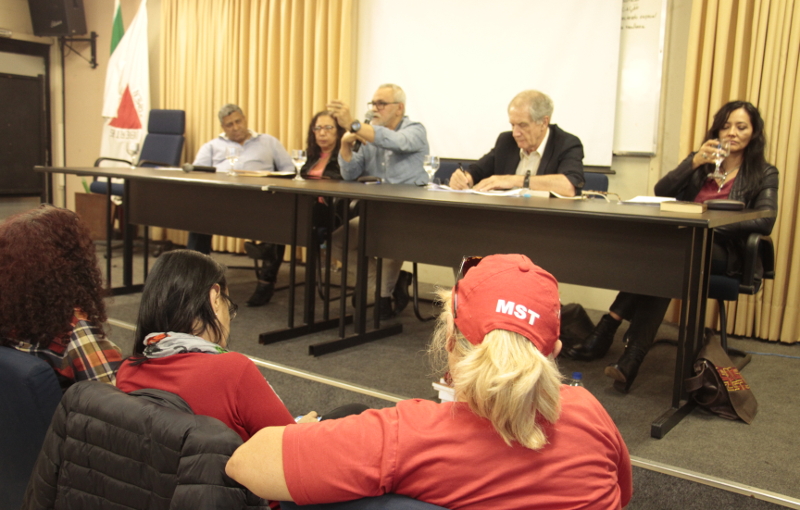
(253, 152)
(393, 150)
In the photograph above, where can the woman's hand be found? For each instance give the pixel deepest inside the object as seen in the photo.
(311, 417)
(706, 153)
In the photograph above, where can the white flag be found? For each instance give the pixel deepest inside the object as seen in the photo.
(126, 102)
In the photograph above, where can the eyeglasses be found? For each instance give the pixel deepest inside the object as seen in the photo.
(467, 263)
(379, 105)
(232, 307)
(317, 129)
(602, 194)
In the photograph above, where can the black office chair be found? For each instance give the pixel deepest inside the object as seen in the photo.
(595, 181)
(29, 395)
(725, 288)
(163, 146)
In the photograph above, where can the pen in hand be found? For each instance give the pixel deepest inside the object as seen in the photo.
(461, 168)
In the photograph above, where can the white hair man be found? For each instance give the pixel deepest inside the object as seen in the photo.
(534, 154)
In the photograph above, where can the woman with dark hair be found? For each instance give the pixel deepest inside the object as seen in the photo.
(180, 346)
(322, 162)
(322, 147)
(51, 291)
(744, 175)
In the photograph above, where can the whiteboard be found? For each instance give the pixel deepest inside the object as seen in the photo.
(460, 62)
(639, 90)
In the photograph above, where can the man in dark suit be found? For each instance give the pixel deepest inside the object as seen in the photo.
(534, 154)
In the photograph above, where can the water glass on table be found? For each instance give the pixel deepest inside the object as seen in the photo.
(299, 159)
(232, 155)
(431, 165)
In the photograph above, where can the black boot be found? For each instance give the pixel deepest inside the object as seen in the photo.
(267, 275)
(624, 371)
(262, 294)
(400, 292)
(386, 310)
(597, 344)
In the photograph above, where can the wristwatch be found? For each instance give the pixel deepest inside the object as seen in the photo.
(355, 126)
(526, 182)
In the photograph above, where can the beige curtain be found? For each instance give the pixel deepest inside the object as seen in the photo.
(749, 50)
(280, 60)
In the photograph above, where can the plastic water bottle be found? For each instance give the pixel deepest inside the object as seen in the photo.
(577, 379)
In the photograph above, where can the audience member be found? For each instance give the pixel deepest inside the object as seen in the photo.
(534, 154)
(745, 176)
(393, 150)
(181, 343)
(51, 292)
(253, 151)
(515, 438)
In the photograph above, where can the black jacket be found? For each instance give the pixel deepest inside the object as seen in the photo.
(331, 171)
(685, 183)
(562, 155)
(108, 449)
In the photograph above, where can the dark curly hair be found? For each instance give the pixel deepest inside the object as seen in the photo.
(48, 268)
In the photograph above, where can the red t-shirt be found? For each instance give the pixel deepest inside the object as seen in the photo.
(227, 387)
(446, 455)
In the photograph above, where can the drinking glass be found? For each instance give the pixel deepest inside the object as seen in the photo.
(430, 164)
(232, 155)
(299, 159)
(132, 148)
(722, 152)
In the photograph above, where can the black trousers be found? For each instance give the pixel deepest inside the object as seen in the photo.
(271, 262)
(646, 313)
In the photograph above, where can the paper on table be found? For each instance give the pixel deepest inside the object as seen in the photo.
(647, 200)
(262, 173)
(516, 192)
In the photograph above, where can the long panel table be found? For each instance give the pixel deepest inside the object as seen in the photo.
(220, 204)
(588, 242)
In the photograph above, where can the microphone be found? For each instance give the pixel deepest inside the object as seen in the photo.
(188, 167)
(367, 120)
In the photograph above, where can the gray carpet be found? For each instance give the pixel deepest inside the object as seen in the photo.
(762, 455)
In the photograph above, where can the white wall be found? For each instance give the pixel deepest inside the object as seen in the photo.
(634, 175)
(462, 61)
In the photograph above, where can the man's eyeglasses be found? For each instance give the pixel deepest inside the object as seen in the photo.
(317, 129)
(379, 105)
(467, 263)
(600, 194)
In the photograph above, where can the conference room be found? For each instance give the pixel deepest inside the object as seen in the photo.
(640, 99)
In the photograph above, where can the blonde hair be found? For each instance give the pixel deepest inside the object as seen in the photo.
(505, 379)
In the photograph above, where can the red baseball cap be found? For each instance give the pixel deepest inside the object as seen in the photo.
(508, 292)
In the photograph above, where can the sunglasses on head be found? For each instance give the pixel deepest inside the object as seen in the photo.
(467, 263)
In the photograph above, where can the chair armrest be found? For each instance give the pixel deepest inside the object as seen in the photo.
(758, 247)
(101, 159)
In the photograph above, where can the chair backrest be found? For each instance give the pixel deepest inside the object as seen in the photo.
(446, 168)
(595, 181)
(106, 448)
(164, 141)
(29, 394)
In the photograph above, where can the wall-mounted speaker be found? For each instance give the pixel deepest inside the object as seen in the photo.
(57, 17)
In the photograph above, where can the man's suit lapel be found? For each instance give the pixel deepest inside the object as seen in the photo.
(547, 155)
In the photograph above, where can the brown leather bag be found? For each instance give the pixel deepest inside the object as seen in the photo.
(718, 386)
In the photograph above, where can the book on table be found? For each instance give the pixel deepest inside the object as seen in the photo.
(680, 206)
